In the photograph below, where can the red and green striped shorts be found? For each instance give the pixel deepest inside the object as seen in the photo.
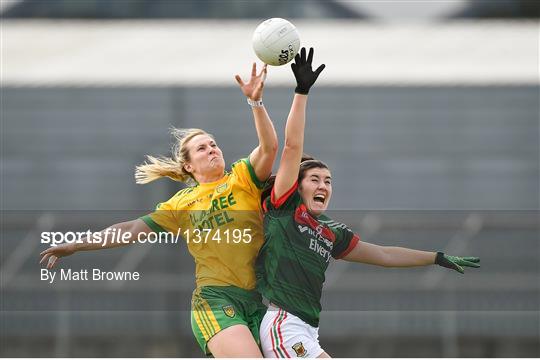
(284, 335)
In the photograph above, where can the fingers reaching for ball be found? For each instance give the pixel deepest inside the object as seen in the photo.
(303, 72)
(253, 88)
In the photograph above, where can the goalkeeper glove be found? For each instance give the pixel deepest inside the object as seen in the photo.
(304, 74)
(456, 262)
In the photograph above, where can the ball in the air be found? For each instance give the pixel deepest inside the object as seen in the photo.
(276, 41)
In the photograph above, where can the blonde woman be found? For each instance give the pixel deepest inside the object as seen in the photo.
(226, 310)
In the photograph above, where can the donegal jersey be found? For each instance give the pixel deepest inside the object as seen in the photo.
(221, 222)
(297, 250)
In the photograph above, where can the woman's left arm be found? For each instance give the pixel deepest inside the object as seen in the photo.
(263, 156)
(392, 256)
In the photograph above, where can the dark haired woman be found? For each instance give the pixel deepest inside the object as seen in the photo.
(300, 240)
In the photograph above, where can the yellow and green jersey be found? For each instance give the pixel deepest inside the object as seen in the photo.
(221, 223)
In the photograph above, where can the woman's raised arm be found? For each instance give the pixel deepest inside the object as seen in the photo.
(263, 156)
(294, 129)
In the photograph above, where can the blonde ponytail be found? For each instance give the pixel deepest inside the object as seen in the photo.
(172, 167)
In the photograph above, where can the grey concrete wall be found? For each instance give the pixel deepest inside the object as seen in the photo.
(470, 152)
(388, 148)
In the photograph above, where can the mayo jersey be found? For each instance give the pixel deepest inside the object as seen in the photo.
(221, 222)
(296, 252)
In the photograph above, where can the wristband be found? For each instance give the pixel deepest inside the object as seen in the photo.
(300, 90)
(439, 259)
(255, 103)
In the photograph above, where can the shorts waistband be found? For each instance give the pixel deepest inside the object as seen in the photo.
(231, 289)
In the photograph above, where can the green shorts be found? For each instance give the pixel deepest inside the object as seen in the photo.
(214, 308)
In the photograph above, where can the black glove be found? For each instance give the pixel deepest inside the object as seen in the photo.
(305, 76)
(456, 262)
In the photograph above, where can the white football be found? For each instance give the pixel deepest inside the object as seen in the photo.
(276, 41)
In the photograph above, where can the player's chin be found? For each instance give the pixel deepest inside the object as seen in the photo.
(317, 208)
(218, 163)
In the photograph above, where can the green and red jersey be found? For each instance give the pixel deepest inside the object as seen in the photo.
(296, 252)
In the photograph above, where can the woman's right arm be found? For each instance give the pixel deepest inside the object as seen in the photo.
(263, 156)
(131, 228)
(293, 149)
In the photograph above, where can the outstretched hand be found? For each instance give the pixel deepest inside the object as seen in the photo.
(52, 254)
(304, 74)
(254, 88)
(456, 262)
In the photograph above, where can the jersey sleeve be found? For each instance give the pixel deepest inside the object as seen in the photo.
(288, 201)
(345, 241)
(245, 173)
(164, 218)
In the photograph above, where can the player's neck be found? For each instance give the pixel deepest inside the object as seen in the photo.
(210, 178)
